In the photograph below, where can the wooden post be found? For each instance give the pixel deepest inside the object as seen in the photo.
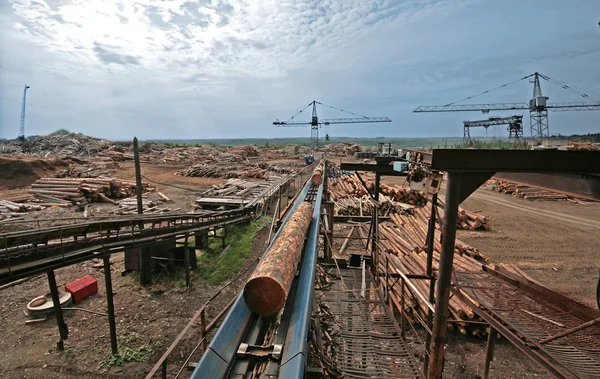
(224, 235)
(279, 201)
(63, 330)
(163, 371)
(203, 330)
(436, 352)
(138, 176)
(145, 259)
(489, 352)
(110, 305)
(186, 258)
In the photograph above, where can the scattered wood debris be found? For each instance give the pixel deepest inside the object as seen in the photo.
(531, 192)
(582, 146)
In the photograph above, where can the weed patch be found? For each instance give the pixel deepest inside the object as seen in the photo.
(125, 355)
(220, 264)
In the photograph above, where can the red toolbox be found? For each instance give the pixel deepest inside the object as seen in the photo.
(82, 288)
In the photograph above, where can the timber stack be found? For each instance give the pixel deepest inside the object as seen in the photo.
(525, 191)
(402, 250)
(467, 220)
(363, 206)
(82, 190)
(405, 195)
(350, 186)
(582, 146)
(267, 289)
(11, 209)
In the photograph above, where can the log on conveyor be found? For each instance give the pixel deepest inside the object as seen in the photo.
(266, 291)
(317, 175)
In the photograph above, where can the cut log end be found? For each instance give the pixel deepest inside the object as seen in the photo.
(264, 296)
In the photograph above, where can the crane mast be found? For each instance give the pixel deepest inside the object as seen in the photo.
(538, 105)
(22, 127)
(315, 123)
(538, 114)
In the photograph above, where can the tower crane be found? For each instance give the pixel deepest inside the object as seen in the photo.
(515, 126)
(315, 123)
(22, 128)
(538, 106)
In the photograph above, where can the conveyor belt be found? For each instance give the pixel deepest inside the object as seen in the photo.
(27, 253)
(290, 331)
(526, 317)
(370, 344)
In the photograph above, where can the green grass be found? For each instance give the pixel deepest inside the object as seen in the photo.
(214, 267)
(126, 355)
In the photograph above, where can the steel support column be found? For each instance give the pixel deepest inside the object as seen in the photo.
(110, 305)
(63, 330)
(489, 352)
(429, 272)
(436, 352)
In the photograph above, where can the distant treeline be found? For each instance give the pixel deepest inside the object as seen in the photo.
(396, 142)
(590, 137)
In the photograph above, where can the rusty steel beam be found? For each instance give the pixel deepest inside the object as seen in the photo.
(440, 325)
(266, 291)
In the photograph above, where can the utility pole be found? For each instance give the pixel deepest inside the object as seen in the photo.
(22, 129)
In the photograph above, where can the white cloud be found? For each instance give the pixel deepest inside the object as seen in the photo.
(219, 37)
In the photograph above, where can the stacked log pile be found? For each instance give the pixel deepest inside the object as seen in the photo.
(68, 145)
(128, 206)
(99, 167)
(10, 209)
(350, 186)
(524, 191)
(81, 190)
(363, 206)
(405, 195)
(239, 189)
(343, 149)
(467, 220)
(204, 170)
(582, 146)
(402, 248)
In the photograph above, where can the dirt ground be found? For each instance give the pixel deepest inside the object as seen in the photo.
(145, 316)
(554, 242)
(151, 316)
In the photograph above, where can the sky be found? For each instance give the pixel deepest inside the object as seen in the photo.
(201, 69)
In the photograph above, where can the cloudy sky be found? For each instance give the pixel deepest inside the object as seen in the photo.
(229, 68)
